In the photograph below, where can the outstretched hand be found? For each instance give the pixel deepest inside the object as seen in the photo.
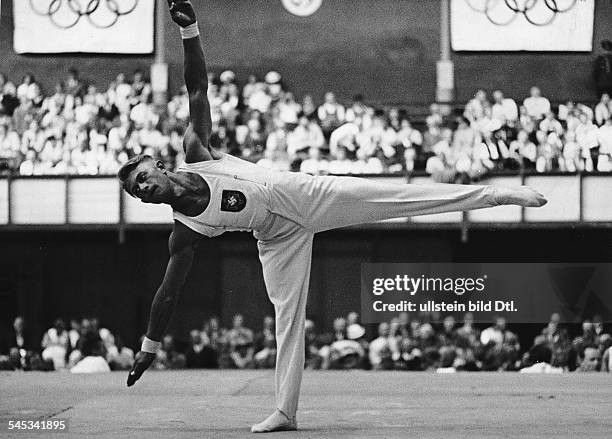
(142, 363)
(182, 12)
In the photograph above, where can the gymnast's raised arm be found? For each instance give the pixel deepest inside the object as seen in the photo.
(196, 142)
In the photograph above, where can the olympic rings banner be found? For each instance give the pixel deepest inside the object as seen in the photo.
(84, 26)
(522, 25)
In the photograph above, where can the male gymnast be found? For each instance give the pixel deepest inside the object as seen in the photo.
(212, 193)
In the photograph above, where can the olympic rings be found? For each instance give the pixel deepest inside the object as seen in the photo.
(527, 8)
(73, 10)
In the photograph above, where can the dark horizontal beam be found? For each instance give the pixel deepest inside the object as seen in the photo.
(365, 227)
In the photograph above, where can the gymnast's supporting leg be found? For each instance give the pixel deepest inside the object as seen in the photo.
(286, 268)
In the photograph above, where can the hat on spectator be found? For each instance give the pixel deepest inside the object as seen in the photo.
(227, 76)
(355, 331)
(273, 77)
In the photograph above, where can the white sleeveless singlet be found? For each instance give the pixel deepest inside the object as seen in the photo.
(239, 196)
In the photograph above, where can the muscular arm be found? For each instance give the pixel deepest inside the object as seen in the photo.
(181, 245)
(197, 86)
(196, 142)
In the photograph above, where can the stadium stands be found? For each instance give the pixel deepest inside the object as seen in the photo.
(401, 344)
(78, 129)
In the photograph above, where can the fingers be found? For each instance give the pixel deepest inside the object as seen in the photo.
(134, 374)
(182, 16)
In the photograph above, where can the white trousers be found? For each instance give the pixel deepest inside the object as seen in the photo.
(303, 205)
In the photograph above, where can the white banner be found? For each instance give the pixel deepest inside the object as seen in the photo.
(89, 26)
(522, 25)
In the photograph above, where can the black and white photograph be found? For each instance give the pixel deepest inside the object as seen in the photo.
(306, 219)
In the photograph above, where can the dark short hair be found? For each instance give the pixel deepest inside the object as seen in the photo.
(128, 167)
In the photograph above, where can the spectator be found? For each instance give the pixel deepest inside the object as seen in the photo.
(314, 164)
(265, 345)
(200, 355)
(563, 356)
(19, 337)
(551, 125)
(118, 356)
(138, 83)
(346, 136)
(305, 135)
(275, 159)
(357, 110)
(504, 109)
(309, 108)
(606, 365)
(500, 346)
(598, 326)
(431, 137)
(289, 110)
(55, 344)
(475, 108)
(248, 89)
(586, 137)
(341, 164)
(74, 85)
(448, 335)
(604, 138)
(380, 350)
(603, 69)
(467, 335)
(213, 334)
(348, 353)
(168, 357)
(18, 345)
(277, 140)
(603, 109)
(572, 155)
(552, 327)
(435, 117)
(9, 100)
(27, 89)
(312, 346)
(92, 353)
(410, 139)
(331, 114)
(74, 333)
(548, 152)
(591, 360)
(448, 357)
(536, 105)
(524, 150)
(260, 100)
(339, 333)
(240, 340)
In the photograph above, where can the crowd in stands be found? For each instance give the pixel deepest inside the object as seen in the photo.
(404, 343)
(80, 129)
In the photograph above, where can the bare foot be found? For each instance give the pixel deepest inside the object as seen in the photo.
(277, 421)
(521, 196)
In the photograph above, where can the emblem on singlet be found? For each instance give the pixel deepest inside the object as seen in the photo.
(232, 201)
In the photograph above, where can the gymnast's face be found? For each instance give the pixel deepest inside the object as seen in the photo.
(149, 182)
